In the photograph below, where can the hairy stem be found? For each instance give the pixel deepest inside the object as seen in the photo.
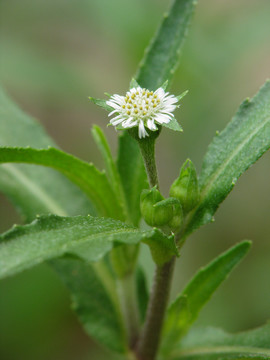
(147, 345)
(147, 147)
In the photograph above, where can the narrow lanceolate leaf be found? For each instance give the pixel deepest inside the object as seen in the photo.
(111, 169)
(97, 313)
(161, 57)
(211, 344)
(32, 189)
(51, 236)
(132, 173)
(86, 176)
(233, 151)
(185, 309)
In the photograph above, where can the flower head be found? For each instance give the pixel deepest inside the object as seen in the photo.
(143, 108)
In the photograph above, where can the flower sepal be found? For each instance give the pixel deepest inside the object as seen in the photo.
(101, 102)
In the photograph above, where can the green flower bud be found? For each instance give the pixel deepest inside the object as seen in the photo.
(155, 215)
(158, 211)
(177, 219)
(176, 211)
(185, 188)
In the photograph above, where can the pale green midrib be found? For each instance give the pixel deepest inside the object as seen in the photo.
(222, 349)
(32, 187)
(109, 284)
(64, 247)
(113, 173)
(223, 166)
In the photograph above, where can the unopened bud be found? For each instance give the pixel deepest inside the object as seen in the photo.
(158, 211)
(152, 214)
(185, 187)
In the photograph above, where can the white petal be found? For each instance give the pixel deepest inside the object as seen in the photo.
(161, 119)
(171, 97)
(117, 120)
(129, 123)
(112, 112)
(168, 108)
(163, 112)
(160, 92)
(142, 131)
(169, 101)
(151, 125)
(113, 104)
(118, 97)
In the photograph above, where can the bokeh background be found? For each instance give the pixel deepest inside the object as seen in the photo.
(54, 54)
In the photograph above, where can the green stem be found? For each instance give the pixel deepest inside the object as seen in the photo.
(128, 299)
(147, 147)
(147, 345)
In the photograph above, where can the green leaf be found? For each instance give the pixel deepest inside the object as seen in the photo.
(86, 176)
(91, 302)
(211, 344)
(132, 173)
(101, 103)
(142, 292)
(173, 125)
(51, 236)
(34, 190)
(233, 151)
(111, 168)
(185, 309)
(161, 58)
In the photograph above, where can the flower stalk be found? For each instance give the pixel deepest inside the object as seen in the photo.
(147, 147)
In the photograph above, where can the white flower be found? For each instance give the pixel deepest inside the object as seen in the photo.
(143, 108)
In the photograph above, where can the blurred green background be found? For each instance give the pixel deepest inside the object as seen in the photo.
(56, 53)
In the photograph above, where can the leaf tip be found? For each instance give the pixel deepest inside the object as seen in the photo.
(244, 245)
